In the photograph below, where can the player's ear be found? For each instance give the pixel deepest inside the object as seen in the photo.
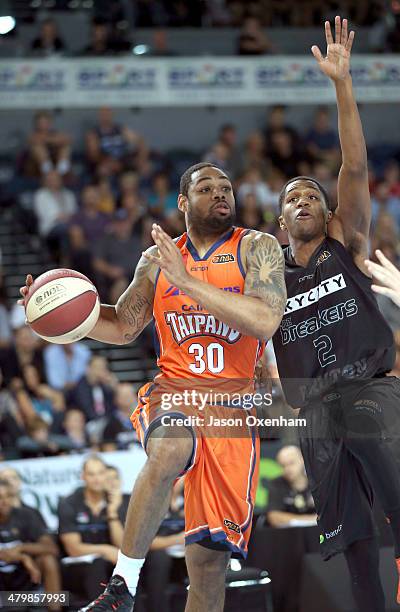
(282, 223)
(329, 216)
(182, 203)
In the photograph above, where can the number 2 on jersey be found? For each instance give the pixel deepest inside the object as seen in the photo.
(209, 358)
(325, 352)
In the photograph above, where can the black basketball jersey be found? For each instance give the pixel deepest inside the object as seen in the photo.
(332, 329)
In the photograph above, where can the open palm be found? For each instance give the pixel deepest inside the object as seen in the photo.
(336, 64)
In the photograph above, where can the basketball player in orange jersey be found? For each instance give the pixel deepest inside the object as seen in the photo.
(216, 293)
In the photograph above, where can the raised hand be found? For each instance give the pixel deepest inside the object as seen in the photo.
(170, 258)
(336, 64)
(386, 274)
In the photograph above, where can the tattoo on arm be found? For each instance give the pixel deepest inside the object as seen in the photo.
(134, 307)
(265, 277)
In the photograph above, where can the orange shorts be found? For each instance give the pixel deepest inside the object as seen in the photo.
(222, 474)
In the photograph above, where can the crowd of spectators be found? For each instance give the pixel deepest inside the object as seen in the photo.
(96, 217)
(114, 31)
(81, 553)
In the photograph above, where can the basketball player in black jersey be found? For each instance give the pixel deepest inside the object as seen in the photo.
(334, 348)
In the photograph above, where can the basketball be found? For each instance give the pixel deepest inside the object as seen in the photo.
(62, 306)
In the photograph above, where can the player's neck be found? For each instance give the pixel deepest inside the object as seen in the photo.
(302, 250)
(203, 242)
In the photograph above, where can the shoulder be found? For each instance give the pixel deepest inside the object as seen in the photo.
(259, 245)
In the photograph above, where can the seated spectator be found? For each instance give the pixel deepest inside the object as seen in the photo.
(48, 148)
(254, 155)
(100, 39)
(252, 38)
(73, 433)
(391, 175)
(162, 199)
(24, 547)
(118, 432)
(117, 254)
(250, 213)
(48, 563)
(218, 155)
(49, 41)
(12, 424)
(65, 364)
(113, 487)
(322, 141)
(25, 350)
(93, 393)
(90, 524)
(384, 203)
(129, 186)
(110, 143)
(252, 183)
(276, 121)
(38, 442)
(289, 497)
(285, 157)
(54, 205)
(85, 229)
(47, 402)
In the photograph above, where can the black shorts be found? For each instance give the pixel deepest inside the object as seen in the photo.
(342, 493)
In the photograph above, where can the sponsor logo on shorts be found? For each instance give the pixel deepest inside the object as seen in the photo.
(330, 534)
(223, 258)
(232, 526)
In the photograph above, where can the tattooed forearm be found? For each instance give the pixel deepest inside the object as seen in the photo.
(133, 310)
(134, 307)
(265, 277)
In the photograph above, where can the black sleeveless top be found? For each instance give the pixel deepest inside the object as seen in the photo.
(332, 329)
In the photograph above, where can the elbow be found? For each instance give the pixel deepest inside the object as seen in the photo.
(268, 327)
(356, 168)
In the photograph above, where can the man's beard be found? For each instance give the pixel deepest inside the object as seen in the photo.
(211, 224)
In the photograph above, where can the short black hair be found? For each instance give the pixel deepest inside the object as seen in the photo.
(186, 177)
(304, 178)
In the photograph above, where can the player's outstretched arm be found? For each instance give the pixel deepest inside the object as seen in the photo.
(354, 207)
(259, 311)
(122, 323)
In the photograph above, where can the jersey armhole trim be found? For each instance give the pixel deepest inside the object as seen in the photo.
(239, 258)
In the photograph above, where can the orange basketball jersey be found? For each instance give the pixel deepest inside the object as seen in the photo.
(192, 342)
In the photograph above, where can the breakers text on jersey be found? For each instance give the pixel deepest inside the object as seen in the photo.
(186, 326)
(291, 332)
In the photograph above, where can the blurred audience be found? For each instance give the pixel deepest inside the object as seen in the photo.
(65, 364)
(54, 206)
(25, 350)
(28, 555)
(91, 523)
(116, 256)
(93, 393)
(48, 42)
(289, 497)
(253, 39)
(118, 432)
(47, 148)
(111, 143)
(322, 140)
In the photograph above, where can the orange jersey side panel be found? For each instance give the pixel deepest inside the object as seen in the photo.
(193, 342)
